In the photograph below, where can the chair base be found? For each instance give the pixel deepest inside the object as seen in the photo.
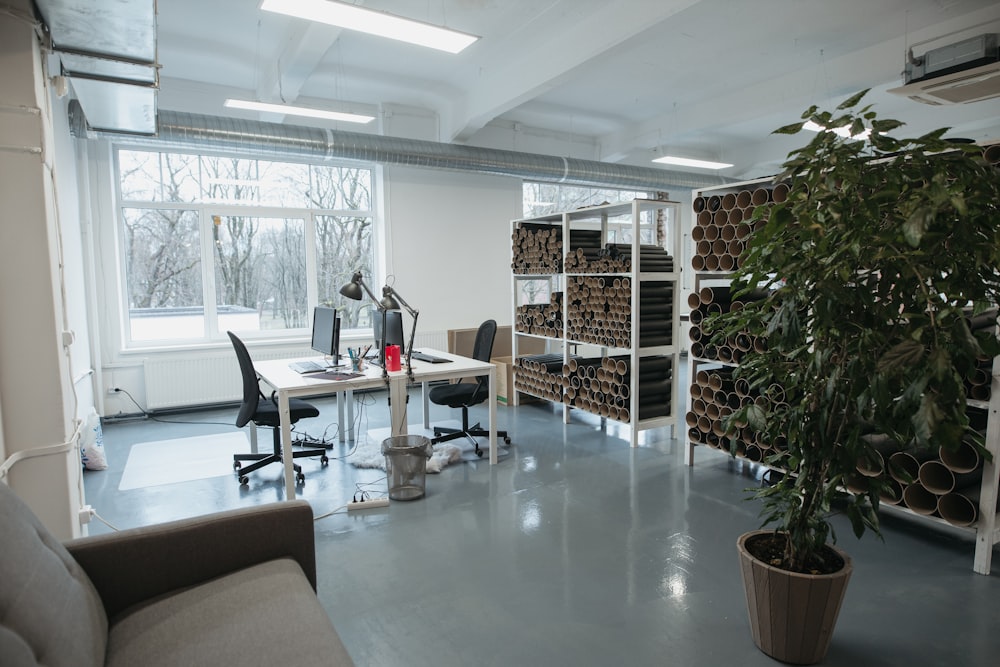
(444, 434)
(261, 460)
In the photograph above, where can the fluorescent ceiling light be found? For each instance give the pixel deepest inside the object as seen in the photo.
(382, 24)
(841, 131)
(299, 111)
(689, 162)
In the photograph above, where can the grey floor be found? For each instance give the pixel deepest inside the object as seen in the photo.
(574, 550)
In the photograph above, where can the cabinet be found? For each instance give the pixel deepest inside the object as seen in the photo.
(600, 286)
(952, 491)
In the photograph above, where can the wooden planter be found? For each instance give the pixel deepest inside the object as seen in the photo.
(792, 615)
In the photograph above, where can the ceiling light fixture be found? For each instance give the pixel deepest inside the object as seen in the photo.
(372, 22)
(299, 111)
(841, 131)
(689, 162)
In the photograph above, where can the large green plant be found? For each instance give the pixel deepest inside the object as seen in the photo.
(875, 263)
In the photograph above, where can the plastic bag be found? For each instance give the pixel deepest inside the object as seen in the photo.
(92, 443)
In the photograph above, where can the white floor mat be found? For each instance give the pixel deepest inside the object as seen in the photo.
(181, 459)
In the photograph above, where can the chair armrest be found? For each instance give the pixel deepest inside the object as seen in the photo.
(133, 565)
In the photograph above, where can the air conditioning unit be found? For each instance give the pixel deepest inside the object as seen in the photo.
(968, 71)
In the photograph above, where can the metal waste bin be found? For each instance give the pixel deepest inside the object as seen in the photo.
(406, 465)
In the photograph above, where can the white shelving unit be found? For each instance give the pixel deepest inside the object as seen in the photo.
(575, 338)
(986, 528)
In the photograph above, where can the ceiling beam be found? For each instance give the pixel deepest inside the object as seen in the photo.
(507, 80)
(304, 47)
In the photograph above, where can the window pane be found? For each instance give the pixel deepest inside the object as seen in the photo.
(163, 274)
(284, 184)
(230, 180)
(166, 177)
(343, 188)
(544, 198)
(343, 246)
(260, 273)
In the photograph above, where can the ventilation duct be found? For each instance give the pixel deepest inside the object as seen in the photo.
(273, 140)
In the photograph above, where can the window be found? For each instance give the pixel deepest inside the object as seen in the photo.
(212, 243)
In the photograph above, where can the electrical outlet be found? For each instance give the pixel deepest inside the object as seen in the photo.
(85, 513)
(371, 503)
(113, 390)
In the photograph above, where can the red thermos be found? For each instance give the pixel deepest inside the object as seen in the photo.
(392, 360)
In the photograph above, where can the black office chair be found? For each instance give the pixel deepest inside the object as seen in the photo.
(265, 413)
(466, 394)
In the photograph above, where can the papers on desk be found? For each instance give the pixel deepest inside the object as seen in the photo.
(334, 375)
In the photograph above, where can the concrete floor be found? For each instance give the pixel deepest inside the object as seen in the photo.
(574, 550)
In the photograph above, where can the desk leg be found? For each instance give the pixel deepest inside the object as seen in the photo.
(493, 415)
(284, 415)
(425, 391)
(397, 409)
(350, 415)
(340, 416)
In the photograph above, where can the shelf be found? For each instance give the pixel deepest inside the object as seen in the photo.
(608, 236)
(986, 530)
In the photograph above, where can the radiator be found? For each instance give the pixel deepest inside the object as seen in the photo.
(173, 382)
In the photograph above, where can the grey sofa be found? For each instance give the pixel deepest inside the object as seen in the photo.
(231, 588)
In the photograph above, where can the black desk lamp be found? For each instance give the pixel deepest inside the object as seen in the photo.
(355, 290)
(392, 300)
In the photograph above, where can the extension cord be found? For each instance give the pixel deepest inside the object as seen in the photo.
(371, 503)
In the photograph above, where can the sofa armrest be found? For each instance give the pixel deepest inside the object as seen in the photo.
(137, 564)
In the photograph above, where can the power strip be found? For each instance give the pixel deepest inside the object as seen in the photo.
(369, 504)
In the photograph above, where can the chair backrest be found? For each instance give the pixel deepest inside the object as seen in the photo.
(482, 350)
(251, 389)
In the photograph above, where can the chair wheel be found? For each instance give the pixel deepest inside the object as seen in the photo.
(479, 453)
(506, 440)
(237, 465)
(300, 478)
(324, 460)
(244, 480)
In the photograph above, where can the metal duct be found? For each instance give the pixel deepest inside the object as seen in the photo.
(274, 140)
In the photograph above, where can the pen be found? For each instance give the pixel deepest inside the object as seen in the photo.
(366, 351)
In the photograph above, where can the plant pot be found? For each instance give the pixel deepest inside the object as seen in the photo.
(792, 615)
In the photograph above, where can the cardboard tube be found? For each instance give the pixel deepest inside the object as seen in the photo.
(698, 263)
(963, 459)
(992, 154)
(760, 196)
(904, 467)
(920, 500)
(779, 193)
(698, 205)
(939, 480)
(743, 198)
(891, 492)
(883, 446)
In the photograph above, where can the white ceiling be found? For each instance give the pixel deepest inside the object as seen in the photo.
(620, 81)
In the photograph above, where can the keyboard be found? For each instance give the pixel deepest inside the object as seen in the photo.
(307, 367)
(428, 358)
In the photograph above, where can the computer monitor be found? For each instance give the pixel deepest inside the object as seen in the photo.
(326, 332)
(394, 331)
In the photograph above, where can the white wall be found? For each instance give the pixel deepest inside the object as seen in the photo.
(449, 244)
(37, 200)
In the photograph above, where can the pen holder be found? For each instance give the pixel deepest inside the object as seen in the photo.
(392, 360)
(357, 365)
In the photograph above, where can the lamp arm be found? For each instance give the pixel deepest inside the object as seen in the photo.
(409, 347)
(361, 281)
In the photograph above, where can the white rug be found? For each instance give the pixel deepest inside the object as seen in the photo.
(181, 459)
(369, 451)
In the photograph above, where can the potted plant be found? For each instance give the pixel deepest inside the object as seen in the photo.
(872, 268)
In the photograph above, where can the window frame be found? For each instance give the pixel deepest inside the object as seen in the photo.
(212, 335)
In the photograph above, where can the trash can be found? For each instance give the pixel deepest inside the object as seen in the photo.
(406, 465)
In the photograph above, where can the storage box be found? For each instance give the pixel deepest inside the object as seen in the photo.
(505, 379)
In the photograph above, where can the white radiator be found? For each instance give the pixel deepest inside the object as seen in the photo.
(173, 382)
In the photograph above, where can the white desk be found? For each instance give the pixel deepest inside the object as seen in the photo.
(288, 384)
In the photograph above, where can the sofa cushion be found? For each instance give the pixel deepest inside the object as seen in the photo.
(50, 613)
(267, 614)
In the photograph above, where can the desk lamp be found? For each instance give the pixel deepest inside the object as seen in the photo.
(392, 300)
(355, 290)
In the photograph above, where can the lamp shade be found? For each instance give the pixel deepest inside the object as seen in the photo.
(388, 301)
(352, 290)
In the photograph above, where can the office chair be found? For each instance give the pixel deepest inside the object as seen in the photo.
(466, 394)
(265, 413)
